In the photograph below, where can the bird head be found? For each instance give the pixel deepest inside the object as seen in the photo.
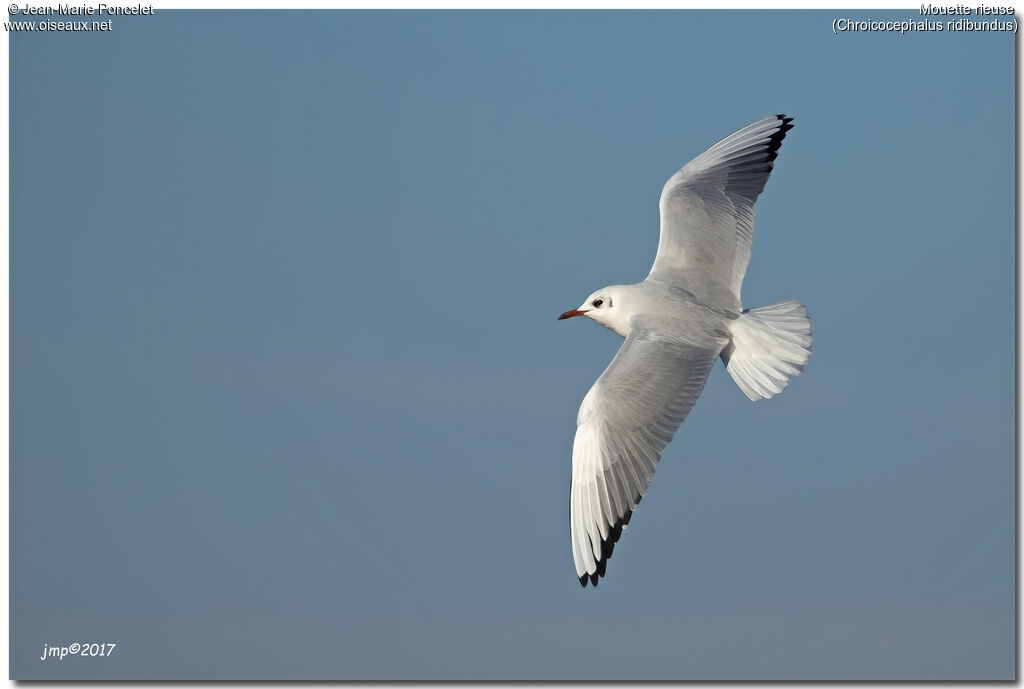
(601, 307)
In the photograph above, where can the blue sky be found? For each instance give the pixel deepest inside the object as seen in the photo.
(289, 398)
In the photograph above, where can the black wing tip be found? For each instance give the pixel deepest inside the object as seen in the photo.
(775, 140)
(607, 546)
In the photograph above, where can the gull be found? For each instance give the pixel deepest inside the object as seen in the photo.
(686, 314)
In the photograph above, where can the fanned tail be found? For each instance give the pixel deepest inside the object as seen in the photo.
(769, 345)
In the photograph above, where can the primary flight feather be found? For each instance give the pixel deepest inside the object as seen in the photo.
(682, 317)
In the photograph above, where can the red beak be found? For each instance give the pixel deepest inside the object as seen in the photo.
(570, 314)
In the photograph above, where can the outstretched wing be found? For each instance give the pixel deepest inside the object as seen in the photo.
(626, 419)
(707, 213)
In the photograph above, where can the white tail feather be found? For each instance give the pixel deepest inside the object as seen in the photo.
(768, 345)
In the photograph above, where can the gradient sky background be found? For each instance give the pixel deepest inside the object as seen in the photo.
(289, 398)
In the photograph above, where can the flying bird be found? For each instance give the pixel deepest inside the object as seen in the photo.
(686, 314)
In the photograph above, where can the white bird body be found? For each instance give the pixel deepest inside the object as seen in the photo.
(656, 299)
(686, 314)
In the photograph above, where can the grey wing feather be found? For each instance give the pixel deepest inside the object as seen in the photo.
(624, 422)
(707, 213)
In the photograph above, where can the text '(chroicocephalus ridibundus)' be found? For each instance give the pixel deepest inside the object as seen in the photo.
(676, 323)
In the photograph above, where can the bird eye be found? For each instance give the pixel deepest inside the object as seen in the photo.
(597, 302)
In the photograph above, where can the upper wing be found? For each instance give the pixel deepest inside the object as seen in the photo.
(629, 415)
(707, 213)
